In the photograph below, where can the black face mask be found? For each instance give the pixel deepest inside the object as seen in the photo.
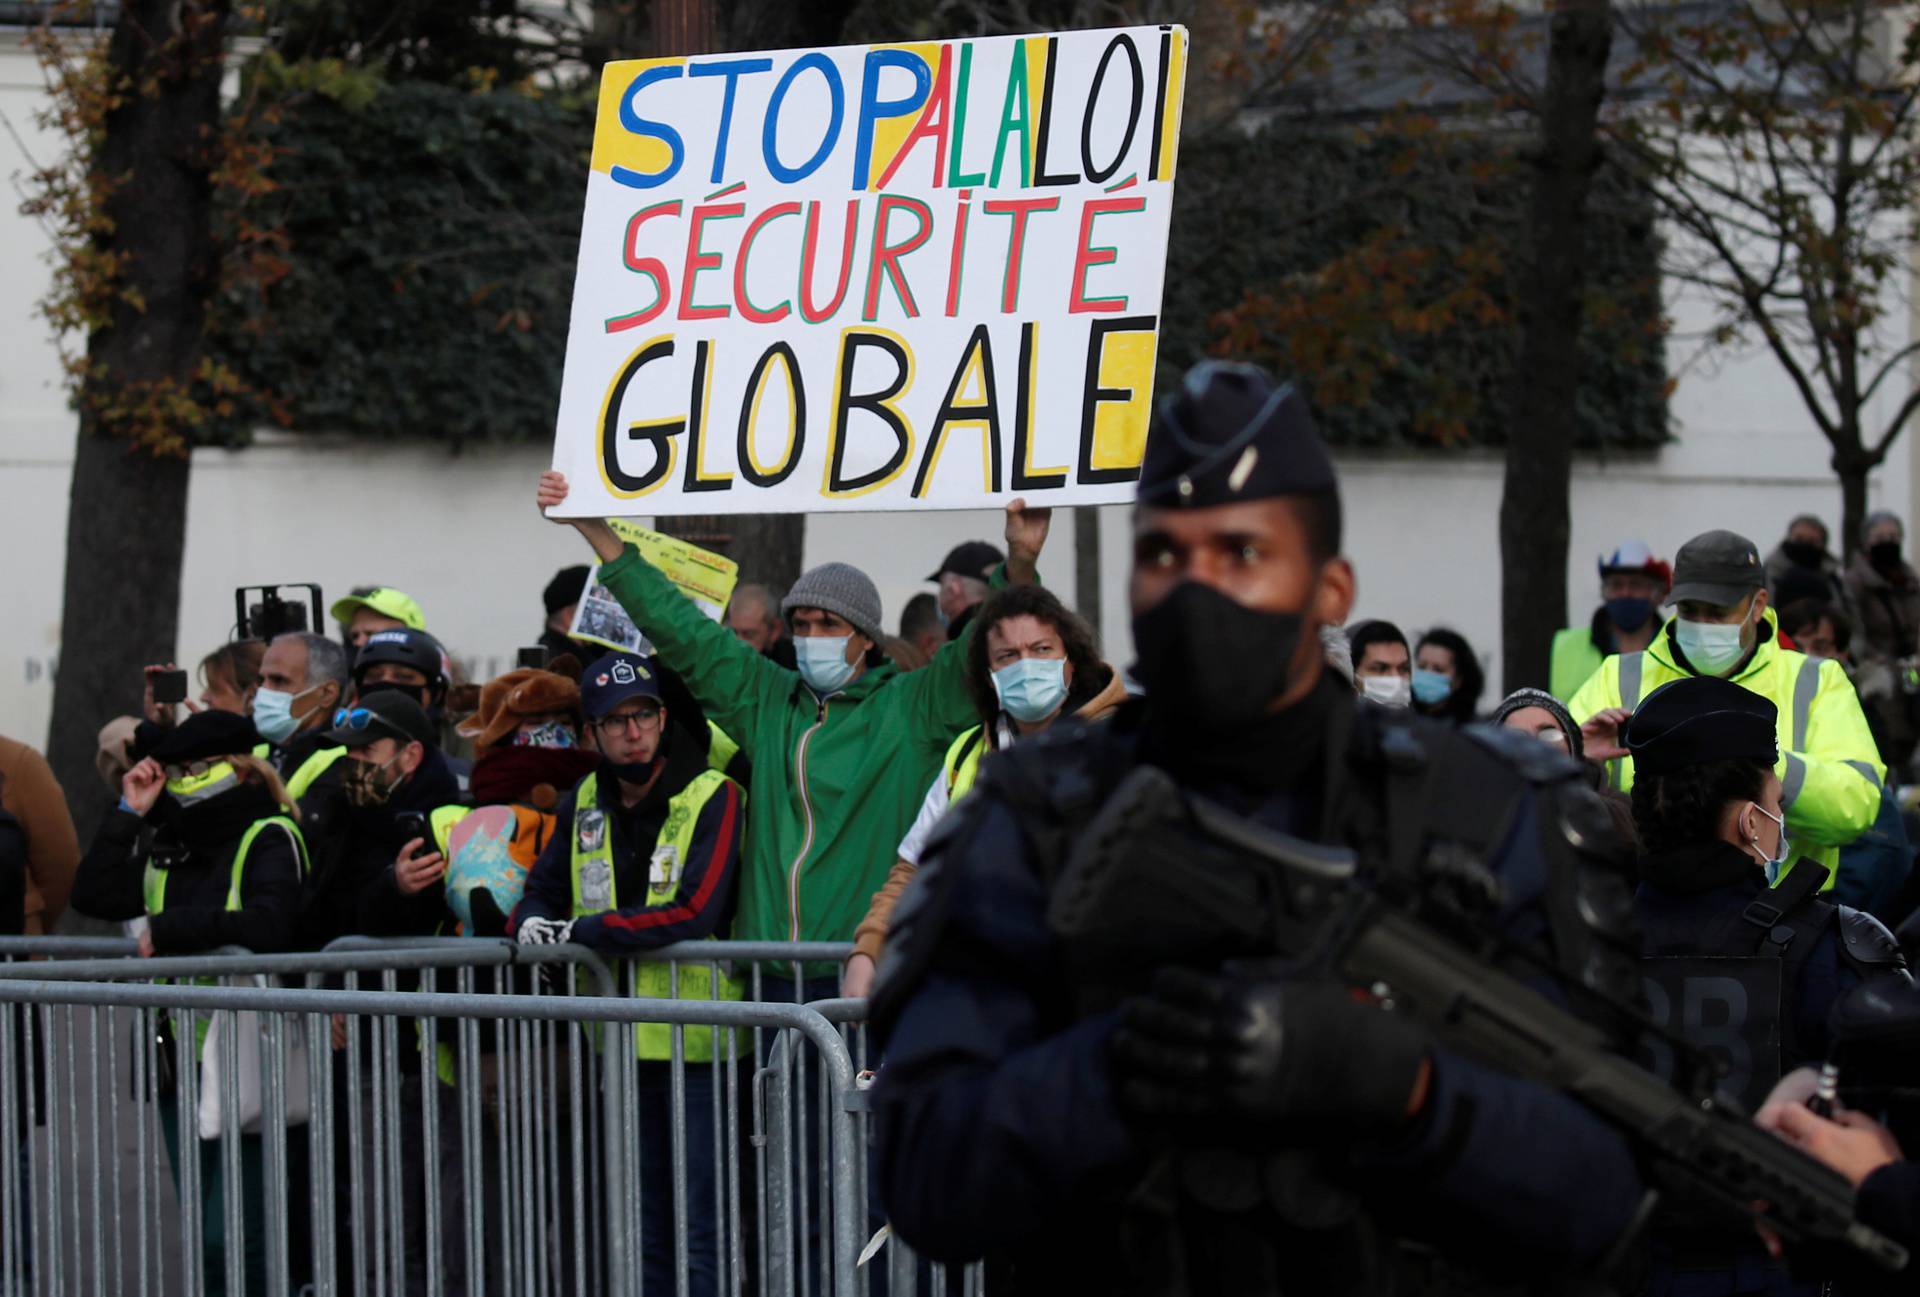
(634, 772)
(1885, 556)
(1214, 663)
(1802, 553)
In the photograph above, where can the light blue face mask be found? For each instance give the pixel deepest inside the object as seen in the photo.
(1779, 856)
(823, 664)
(273, 713)
(1431, 687)
(1713, 649)
(1032, 689)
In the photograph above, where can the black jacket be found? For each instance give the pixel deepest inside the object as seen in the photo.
(352, 891)
(109, 886)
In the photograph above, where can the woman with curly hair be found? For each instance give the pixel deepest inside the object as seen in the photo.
(1031, 663)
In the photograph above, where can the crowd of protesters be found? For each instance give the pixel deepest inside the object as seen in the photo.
(774, 776)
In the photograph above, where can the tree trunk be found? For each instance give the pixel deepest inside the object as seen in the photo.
(1539, 460)
(1852, 472)
(767, 546)
(126, 524)
(1086, 565)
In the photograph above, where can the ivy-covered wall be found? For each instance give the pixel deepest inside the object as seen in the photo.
(430, 235)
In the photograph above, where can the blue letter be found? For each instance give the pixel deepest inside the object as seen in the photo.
(824, 66)
(872, 108)
(639, 125)
(732, 70)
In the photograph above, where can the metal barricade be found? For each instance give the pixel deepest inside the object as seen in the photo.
(470, 1117)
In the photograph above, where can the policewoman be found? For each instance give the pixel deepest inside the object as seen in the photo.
(224, 868)
(1744, 972)
(647, 854)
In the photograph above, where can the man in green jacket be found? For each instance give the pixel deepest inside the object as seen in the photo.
(842, 749)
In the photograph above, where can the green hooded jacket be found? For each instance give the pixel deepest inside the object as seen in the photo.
(836, 784)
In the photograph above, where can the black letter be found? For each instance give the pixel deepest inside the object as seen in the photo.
(1092, 394)
(1040, 176)
(749, 403)
(1096, 174)
(873, 402)
(657, 433)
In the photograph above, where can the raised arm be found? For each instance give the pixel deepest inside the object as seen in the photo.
(729, 679)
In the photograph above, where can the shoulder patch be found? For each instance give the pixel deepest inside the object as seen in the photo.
(1867, 941)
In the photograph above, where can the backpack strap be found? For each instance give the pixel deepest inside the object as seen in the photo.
(1774, 911)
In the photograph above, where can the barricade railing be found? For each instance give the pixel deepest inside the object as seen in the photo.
(477, 1119)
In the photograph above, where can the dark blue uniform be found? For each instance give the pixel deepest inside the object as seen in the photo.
(999, 1132)
(1780, 976)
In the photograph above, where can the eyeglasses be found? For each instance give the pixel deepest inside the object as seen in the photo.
(644, 719)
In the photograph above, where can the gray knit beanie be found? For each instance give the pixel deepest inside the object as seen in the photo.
(841, 589)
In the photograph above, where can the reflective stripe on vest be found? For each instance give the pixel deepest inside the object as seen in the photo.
(153, 886)
(962, 765)
(311, 769)
(1631, 666)
(594, 892)
(1805, 686)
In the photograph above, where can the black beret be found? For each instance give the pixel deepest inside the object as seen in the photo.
(201, 737)
(1698, 719)
(1229, 435)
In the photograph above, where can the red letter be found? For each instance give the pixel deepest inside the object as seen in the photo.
(808, 312)
(886, 257)
(698, 261)
(652, 267)
(747, 309)
(1086, 258)
(931, 122)
(1018, 209)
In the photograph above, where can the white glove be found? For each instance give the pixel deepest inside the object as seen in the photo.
(544, 932)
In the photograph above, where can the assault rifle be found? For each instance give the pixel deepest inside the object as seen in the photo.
(1131, 896)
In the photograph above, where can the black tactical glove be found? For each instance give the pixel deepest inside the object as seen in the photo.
(1302, 1058)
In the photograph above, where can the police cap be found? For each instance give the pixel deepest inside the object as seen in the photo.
(1698, 719)
(1230, 435)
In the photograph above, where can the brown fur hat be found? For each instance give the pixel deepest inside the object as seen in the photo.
(509, 699)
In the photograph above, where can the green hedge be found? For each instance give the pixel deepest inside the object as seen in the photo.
(1388, 266)
(431, 236)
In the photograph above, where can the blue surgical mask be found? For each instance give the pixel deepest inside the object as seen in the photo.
(1779, 856)
(1712, 647)
(1431, 688)
(823, 662)
(1629, 612)
(273, 713)
(1032, 689)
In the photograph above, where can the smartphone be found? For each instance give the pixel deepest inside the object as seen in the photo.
(535, 657)
(169, 687)
(413, 824)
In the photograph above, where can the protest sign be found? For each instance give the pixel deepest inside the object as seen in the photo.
(889, 277)
(702, 575)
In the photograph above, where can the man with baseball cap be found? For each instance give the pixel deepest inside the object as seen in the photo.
(1633, 585)
(371, 608)
(645, 854)
(963, 577)
(1830, 771)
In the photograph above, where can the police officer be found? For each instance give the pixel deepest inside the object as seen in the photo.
(1215, 1133)
(648, 854)
(1829, 768)
(1748, 974)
